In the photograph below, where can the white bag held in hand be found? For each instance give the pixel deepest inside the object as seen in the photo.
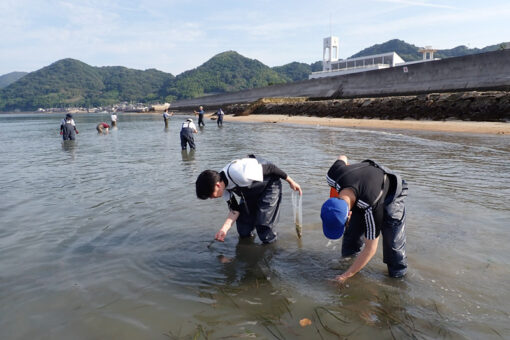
(297, 209)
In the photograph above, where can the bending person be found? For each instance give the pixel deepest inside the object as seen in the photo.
(257, 183)
(367, 200)
(188, 128)
(102, 128)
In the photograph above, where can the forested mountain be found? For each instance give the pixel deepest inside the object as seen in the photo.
(406, 51)
(225, 72)
(70, 82)
(9, 78)
(409, 52)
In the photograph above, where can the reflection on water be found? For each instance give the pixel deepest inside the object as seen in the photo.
(188, 156)
(69, 146)
(104, 237)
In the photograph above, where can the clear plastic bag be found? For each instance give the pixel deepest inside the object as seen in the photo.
(297, 209)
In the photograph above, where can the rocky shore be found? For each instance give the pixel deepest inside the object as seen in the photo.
(488, 106)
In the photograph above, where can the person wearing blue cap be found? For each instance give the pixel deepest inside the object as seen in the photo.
(366, 200)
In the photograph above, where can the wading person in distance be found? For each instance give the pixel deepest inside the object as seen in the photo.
(188, 128)
(102, 128)
(257, 183)
(166, 116)
(220, 114)
(113, 117)
(200, 114)
(68, 128)
(367, 201)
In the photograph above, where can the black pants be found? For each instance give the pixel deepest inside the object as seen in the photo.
(220, 120)
(393, 234)
(187, 138)
(262, 213)
(201, 120)
(68, 132)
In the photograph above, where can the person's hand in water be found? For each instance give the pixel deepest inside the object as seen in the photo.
(220, 235)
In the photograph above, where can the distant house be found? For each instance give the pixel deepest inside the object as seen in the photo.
(333, 66)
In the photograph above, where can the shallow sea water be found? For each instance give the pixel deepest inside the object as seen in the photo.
(104, 237)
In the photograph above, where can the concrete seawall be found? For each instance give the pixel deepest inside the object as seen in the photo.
(479, 72)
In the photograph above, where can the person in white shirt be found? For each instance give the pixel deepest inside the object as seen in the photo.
(188, 128)
(257, 183)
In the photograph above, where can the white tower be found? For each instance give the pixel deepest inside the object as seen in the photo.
(428, 52)
(329, 52)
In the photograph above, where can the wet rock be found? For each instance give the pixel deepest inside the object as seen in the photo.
(469, 105)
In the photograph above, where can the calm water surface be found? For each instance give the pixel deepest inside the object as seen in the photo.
(104, 238)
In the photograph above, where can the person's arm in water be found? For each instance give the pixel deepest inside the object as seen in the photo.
(361, 260)
(231, 218)
(368, 252)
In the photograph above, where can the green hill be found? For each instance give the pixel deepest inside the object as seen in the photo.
(70, 82)
(294, 71)
(409, 52)
(9, 78)
(225, 72)
(406, 51)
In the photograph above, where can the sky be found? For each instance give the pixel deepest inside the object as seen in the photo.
(178, 35)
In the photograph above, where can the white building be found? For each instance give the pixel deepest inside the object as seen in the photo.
(333, 66)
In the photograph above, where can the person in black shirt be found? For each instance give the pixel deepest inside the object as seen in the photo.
(366, 200)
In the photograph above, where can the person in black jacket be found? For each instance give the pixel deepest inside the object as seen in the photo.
(366, 201)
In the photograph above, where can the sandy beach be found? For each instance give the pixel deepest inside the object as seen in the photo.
(496, 128)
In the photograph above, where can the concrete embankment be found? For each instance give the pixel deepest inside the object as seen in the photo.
(479, 72)
(470, 106)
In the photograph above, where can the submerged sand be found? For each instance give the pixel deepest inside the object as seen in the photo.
(497, 128)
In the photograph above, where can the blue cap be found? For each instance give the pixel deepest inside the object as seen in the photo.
(334, 213)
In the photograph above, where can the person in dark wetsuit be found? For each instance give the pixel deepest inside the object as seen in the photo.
(257, 183)
(68, 128)
(188, 128)
(367, 199)
(200, 114)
